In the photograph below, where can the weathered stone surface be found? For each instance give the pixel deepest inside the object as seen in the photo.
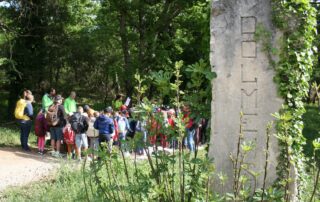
(244, 83)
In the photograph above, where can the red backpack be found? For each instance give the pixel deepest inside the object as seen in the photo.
(40, 127)
(68, 135)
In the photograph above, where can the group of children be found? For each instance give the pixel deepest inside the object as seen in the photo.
(81, 128)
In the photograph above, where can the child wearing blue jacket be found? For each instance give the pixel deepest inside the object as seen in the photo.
(104, 124)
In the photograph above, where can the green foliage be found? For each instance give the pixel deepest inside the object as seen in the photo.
(161, 80)
(3, 76)
(297, 20)
(198, 90)
(96, 47)
(311, 128)
(140, 88)
(108, 180)
(176, 176)
(316, 44)
(193, 86)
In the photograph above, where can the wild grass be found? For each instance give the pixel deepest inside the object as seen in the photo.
(10, 137)
(74, 182)
(67, 186)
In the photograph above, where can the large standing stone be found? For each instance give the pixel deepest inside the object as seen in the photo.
(244, 84)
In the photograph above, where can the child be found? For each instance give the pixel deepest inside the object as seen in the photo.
(80, 124)
(141, 129)
(68, 136)
(123, 128)
(104, 123)
(41, 129)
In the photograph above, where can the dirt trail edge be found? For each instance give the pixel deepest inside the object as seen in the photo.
(19, 168)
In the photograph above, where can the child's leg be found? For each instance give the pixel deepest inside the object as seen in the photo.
(163, 140)
(78, 152)
(69, 147)
(94, 143)
(41, 143)
(78, 146)
(85, 143)
(53, 139)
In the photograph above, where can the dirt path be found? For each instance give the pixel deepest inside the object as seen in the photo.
(20, 168)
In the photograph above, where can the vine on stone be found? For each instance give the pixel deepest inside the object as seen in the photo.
(297, 21)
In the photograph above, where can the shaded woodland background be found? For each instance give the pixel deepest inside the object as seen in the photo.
(95, 47)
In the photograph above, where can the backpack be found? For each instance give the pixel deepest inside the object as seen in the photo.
(19, 110)
(133, 125)
(122, 126)
(68, 135)
(78, 123)
(52, 117)
(40, 126)
(92, 132)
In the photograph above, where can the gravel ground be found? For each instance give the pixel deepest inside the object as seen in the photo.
(19, 168)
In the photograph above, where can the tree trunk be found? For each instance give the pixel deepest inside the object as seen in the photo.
(141, 38)
(125, 49)
(15, 88)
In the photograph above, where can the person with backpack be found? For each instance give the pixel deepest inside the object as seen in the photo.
(56, 120)
(105, 125)
(70, 104)
(123, 125)
(93, 134)
(47, 99)
(123, 128)
(88, 111)
(21, 105)
(24, 115)
(142, 133)
(80, 124)
(40, 130)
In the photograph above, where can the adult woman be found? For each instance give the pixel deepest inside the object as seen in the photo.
(25, 122)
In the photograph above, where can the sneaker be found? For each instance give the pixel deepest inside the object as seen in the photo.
(27, 149)
(56, 155)
(59, 155)
(52, 153)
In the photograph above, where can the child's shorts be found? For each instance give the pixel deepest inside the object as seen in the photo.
(81, 140)
(56, 133)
